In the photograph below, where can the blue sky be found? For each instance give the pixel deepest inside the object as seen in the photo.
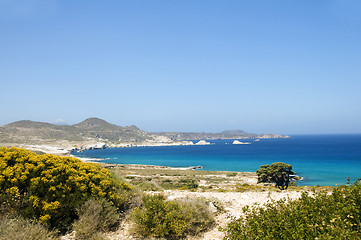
(261, 66)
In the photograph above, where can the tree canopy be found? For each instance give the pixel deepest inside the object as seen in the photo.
(278, 173)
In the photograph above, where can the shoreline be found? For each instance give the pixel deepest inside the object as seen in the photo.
(48, 149)
(67, 151)
(64, 147)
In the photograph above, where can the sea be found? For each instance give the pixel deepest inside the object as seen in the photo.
(325, 160)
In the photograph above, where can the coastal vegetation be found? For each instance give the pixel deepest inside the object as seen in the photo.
(95, 217)
(48, 195)
(15, 228)
(321, 216)
(278, 173)
(171, 219)
(153, 178)
(50, 188)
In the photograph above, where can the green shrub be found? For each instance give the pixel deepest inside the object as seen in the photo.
(158, 218)
(232, 174)
(324, 216)
(188, 184)
(15, 228)
(197, 215)
(245, 187)
(50, 188)
(129, 177)
(183, 184)
(293, 184)
(146, 186)
(171, 219)
(95, 217)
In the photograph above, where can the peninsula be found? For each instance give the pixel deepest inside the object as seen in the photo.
(98, 133)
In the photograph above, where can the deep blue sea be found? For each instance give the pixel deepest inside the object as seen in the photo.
(319, 159)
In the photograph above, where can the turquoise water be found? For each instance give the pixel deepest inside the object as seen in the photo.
(319, 159)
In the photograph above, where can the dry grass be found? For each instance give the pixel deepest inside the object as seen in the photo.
(16, 228)
(95, 218)
(157, 178)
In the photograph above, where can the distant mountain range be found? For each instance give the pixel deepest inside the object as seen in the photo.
(98, 130)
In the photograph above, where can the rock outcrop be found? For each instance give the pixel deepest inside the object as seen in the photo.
(203, 142)
(238, 142)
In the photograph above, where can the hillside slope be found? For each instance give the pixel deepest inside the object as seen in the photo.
(93, 131)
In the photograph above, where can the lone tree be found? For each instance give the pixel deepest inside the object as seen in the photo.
(277, 172)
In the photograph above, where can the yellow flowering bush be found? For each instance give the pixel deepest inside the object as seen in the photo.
(51, 188)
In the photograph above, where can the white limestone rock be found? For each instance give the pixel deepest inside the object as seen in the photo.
(238, 142)
(203, 142)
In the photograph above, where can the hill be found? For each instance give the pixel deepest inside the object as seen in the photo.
(91, 130)
(94, 131)
(98, 128)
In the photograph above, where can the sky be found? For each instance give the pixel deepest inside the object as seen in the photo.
(289, 67)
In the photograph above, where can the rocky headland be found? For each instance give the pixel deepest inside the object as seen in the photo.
(95, 133)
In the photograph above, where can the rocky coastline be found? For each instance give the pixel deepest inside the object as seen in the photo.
(95, 133)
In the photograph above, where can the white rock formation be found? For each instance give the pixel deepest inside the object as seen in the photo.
(97, 146)
(203, 142)
(212, 207)
(238, 142)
